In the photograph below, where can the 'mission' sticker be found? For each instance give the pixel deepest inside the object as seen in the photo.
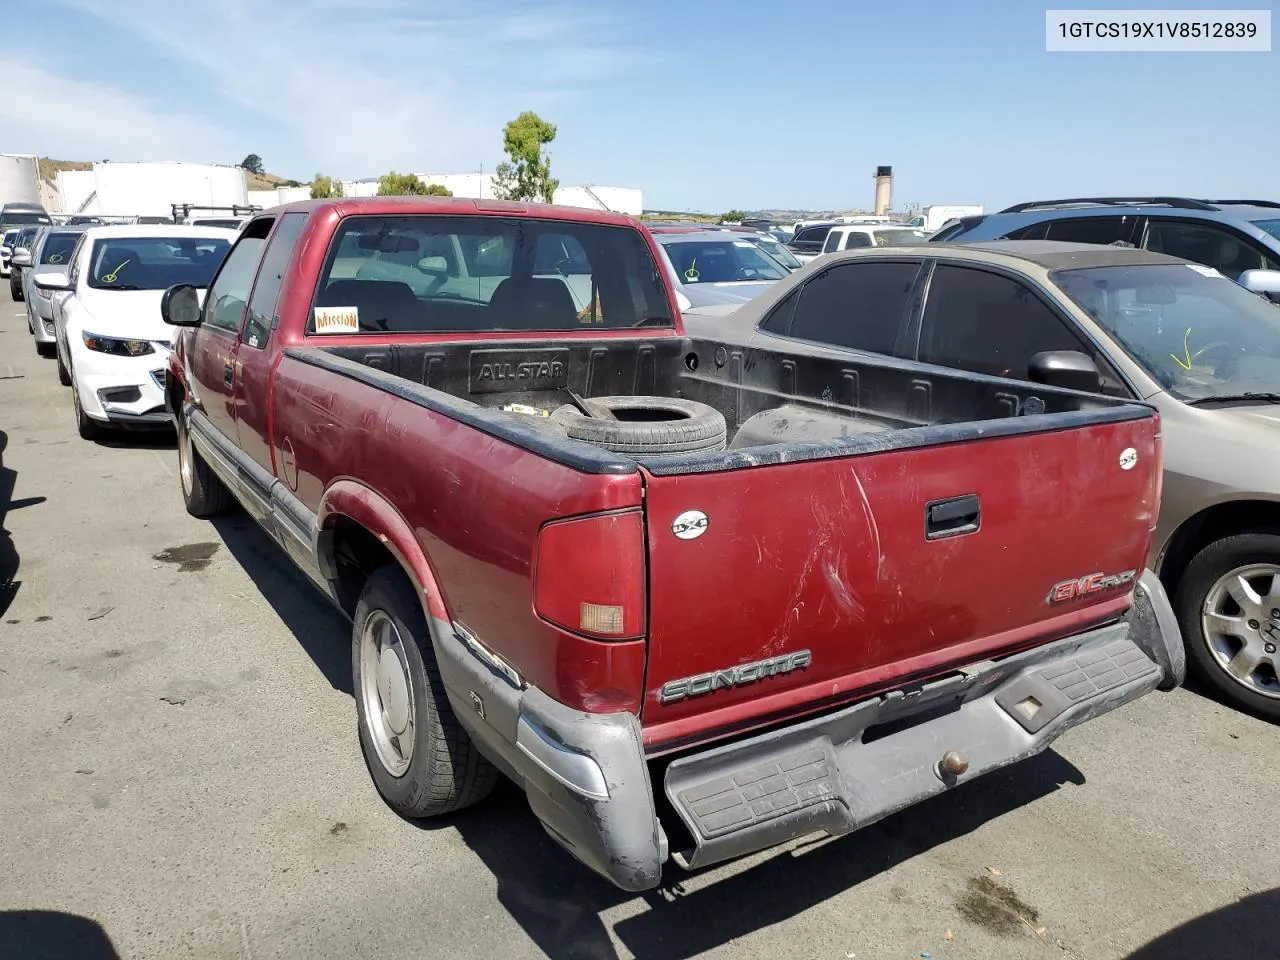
(337, 320)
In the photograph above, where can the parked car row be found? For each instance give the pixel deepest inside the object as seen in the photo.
(92, 297)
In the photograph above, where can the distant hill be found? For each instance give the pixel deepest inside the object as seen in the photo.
(256, 181)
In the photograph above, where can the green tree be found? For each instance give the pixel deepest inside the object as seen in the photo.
(252, 163)
(408, 185)
(733, 216)
(324, 188)
(526, 175)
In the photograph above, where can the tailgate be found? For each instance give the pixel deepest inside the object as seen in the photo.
(813, 581)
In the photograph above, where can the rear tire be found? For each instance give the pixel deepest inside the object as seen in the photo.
(1255, 555)
(203, 492)
(420, 758)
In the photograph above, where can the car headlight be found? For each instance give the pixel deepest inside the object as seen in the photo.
(120, 348)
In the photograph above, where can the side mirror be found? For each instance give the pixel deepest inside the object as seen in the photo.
(683, 302)
(21, 258)
(1263, 282)
(51, 280)
(1069, 369)
(180, 306)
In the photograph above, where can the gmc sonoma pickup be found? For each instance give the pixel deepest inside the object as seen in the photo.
(599, 556)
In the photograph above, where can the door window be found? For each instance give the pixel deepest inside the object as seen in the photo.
(988, 323)
(228, 295)
(833, 241)
(1226, 251)
(1100, 230)
(855, 305)
(266, 292)
(857, 239)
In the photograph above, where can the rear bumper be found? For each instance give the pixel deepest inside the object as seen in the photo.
(588, 782)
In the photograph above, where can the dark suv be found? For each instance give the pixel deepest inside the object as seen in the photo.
(1231, 236)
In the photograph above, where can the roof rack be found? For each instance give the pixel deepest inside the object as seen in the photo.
(1246, 203)
(1181, 203)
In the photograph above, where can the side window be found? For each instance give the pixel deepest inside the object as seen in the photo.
(1229, 253)
(833, 241)
(855, 305)
(228, 295)
(857, 239)
(1100, 230)
(779, 319)
(988, 323)
(1034, 232)
(266, 292)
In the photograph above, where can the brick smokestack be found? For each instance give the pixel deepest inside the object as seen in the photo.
(884, 190)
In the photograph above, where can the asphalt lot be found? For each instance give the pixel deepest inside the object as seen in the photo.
(181, 778)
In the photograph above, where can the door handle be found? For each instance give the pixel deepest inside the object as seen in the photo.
(952, 517)
(228, 374)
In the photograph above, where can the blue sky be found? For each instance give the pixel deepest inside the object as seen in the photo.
(702, 105)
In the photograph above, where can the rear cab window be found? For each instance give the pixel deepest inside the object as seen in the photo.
(431, 274)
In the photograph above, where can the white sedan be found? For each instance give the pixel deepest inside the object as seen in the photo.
(112, 344)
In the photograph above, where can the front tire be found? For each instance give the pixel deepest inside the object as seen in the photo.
(64, 375)
(421, 759)
(1229, 609)
(86, 426)
(204, 494)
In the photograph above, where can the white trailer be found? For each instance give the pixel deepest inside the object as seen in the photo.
(933, 217)
(19, 178)
(151, 189)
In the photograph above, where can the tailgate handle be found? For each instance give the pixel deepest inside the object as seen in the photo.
(952, 517)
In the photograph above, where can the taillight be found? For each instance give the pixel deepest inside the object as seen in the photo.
(589, 575)
(1157, 482)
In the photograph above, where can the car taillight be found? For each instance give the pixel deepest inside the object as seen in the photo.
(589, 575)
(1157, 482)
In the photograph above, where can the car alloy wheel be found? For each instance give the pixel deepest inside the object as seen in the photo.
(1240, 622)
(387, 693)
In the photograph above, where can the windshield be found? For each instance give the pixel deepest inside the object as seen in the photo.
(26, 217)
(722, 261)
(57, 247)
(779, 252)
(1194, 331)
(154, 263)
(1271, 226)
(891, 238)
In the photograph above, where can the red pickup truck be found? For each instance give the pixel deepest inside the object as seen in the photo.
(696, 599)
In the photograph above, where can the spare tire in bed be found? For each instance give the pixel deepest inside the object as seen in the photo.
(647, 426)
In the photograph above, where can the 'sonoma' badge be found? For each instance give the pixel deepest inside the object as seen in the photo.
(1089, 585)
(737, 676)
(690, 525)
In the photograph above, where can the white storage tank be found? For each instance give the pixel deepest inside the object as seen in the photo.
(19, 178)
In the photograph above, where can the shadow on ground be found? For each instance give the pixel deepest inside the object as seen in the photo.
(1244, 930)
(50, 935)
(9, 560)
(318, 627)
(557, 902)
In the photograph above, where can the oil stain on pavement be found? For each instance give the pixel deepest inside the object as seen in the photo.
(189, 557)
(995, 908)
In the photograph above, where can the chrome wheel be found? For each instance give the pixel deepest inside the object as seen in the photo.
(1240, 621)
(184, 460)
(387, 693)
